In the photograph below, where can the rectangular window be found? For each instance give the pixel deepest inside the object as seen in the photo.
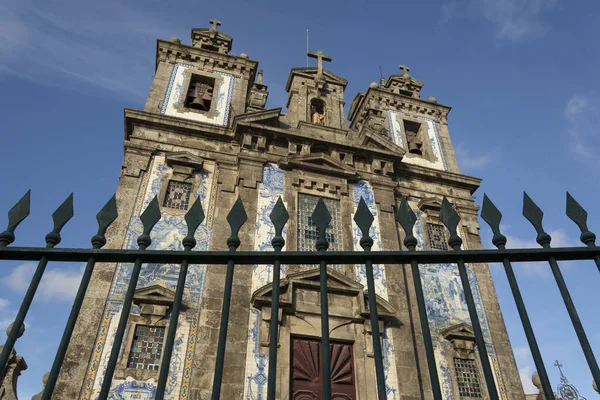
(467, 378)
(200, 92)
(437, 237)
(178, 195)
(146, 349)
(307, 230)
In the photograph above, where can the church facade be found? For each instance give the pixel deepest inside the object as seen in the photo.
(205, 132)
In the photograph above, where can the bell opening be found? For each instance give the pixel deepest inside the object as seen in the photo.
(200, 92)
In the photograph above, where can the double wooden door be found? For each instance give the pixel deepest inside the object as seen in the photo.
(306, 379)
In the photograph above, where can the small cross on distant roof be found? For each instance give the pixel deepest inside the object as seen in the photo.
(215, 23)
(320, 58)
(404, 69)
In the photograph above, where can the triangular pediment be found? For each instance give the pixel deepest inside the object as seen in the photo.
(376, 141)
(184, 158)
(262, 116)
(320, 162)
(310, 280)
(155, 294)
(430, 204)
(311, 72)
(460, 331)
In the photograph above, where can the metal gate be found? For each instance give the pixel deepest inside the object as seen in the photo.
(279, 217)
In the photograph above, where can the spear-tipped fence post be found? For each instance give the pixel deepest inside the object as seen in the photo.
(364, 219)
(279, 216)
(236, 218)
(105, 218)
(450, 219)
(535, 215)
(60, 217)
(579, 216)
(407, 219)
(16, 215)
(321, 218)
(193, 218)
(149, 218)
(491, 215)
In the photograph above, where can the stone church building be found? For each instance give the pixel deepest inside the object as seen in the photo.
(205, 131)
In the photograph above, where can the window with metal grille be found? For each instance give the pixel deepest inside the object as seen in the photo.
(467, 378)
(308, 232)
(437, 237)
(178, 195)
(146, 349)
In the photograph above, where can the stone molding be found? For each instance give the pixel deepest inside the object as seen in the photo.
(167, 51)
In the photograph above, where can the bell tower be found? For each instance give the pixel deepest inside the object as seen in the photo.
(316, 96)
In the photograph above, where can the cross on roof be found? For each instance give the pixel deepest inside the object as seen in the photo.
(404, 69)
(215, 23)
(320, 58)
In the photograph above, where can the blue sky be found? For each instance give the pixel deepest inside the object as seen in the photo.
(521, 76)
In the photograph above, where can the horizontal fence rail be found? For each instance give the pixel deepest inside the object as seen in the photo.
(321, 218)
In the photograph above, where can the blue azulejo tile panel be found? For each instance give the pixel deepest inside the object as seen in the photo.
(269, 190)
(363, 189)
(397, 135)
(222, 95)
(167, 234)
(446, 307)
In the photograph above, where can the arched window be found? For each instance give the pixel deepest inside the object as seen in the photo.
(317, 111)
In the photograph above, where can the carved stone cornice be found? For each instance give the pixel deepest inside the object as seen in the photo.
(380, 99)
(168, 51)
(167, 123)
(443, 177)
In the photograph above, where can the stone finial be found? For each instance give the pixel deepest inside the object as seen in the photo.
(44, 381)
(21, 331)
(373, 85)
(259, 78)
(244, 56)
(432, 99)
(175, 39)
(535, 379)
(404, 69)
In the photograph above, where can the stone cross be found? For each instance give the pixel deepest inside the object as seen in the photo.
(215, 23)
(404, 69)
(320, 58)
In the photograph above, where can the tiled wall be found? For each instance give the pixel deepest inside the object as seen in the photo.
(396, 132)
(175, 90)
(166, 235)
(446, 307)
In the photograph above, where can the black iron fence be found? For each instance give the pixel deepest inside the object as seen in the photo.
(279, 217)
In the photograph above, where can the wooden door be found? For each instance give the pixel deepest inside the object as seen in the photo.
(306, 370)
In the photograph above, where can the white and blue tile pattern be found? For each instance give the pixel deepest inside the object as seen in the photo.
(397, 135)
(257, 364)
(175, 89)
(363, 189)
(446, 307)
(166, 235)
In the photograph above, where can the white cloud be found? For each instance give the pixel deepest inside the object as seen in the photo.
(70, 43)
(526, 368)
(583, 116)
(541, 268)
(3, 303)
(512, 20)
(469, 161)
(56, 284)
